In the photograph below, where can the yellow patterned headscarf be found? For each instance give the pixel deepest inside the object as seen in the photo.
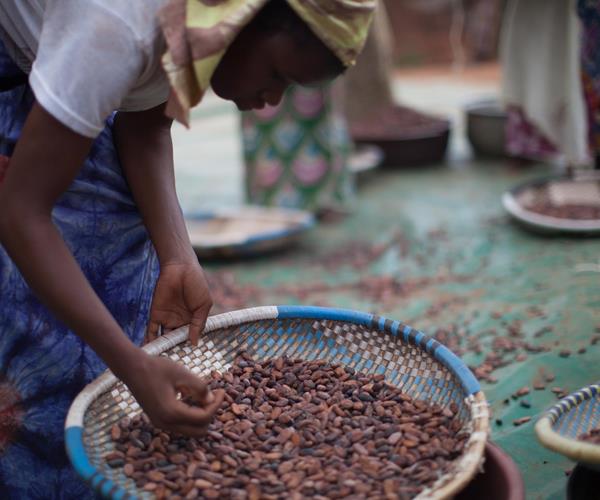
(198, 33)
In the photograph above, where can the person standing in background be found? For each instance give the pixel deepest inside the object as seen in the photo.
(296, 153)
(540, 56)
(589, 13)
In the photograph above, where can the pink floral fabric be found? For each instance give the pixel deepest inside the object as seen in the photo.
(524, 140)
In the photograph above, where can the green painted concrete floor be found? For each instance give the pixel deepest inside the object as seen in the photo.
(433, 247)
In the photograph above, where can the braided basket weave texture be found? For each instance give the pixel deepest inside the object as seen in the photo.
(420, 366)
(574, 415)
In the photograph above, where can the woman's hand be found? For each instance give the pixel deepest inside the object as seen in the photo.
(181, 296)
(3, 166)
(156, 382)
(143, 139)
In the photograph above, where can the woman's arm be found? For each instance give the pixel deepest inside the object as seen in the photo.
(143, 140)
(46, 160)
(145, 149)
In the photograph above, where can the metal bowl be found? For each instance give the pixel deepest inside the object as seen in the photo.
(486, 122)
(560, 190)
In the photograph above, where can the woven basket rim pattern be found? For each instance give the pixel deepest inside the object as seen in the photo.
(467, 465)
(575, 449)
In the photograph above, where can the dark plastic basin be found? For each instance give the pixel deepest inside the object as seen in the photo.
(407, 137)
(500, 479)
(583, 484)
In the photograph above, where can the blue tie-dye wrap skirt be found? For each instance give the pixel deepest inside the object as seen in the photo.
(44, 365)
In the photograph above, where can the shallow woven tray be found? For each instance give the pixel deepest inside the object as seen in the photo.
(571, 417)
(247, 230)
(583, 188)
(419, 365)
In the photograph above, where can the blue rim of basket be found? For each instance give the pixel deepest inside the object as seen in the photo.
(106, 487)
(299, 227)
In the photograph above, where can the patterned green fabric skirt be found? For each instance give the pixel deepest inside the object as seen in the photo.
(296, 153)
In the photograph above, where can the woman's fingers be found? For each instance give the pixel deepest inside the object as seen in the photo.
(192, 421)
(156, 390)
(152, 331)
(197, 326)
(198, 320)
(155, 330)
(193, 386)
(194, 334)
(185, 415)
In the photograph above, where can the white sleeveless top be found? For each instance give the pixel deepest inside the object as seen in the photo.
(87, 58)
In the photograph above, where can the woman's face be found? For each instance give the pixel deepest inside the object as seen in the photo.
(257, 68)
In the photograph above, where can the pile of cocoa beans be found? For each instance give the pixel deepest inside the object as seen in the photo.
(290, 429)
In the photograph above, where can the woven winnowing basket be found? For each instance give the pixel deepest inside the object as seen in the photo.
(574, 415)
(419, 365)
(246, 231)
